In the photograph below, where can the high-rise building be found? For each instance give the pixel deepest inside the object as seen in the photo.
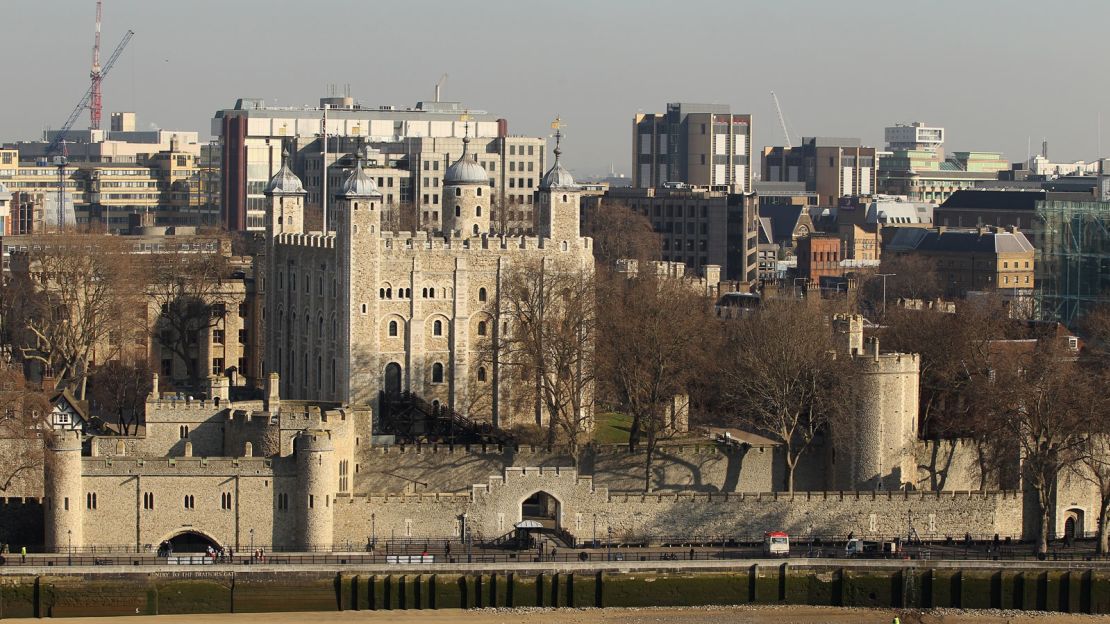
(915, 137)
(695, 144)
(420, 140)
(831, 167)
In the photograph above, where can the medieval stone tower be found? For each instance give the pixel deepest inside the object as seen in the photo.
(466, 196)
(315, 459)
(875, 447)
(63, 515)
(358, 223)
(286, 195)
(559, 199)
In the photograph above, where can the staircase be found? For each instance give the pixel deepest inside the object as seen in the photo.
(413, 420)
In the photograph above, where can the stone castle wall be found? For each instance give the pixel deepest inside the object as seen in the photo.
(585, 510)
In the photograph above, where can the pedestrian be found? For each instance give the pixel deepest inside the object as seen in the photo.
(23, 555)
(447, 547)
(554, 551)
(691, 554)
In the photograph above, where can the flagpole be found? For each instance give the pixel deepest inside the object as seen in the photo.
(324, 168)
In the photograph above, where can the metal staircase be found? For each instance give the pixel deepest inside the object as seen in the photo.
(412, 420)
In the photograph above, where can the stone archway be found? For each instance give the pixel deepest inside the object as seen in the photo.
(543, 508)
(191, 541)
(1073, 523)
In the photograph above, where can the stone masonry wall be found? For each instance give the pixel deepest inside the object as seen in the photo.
(493, 508)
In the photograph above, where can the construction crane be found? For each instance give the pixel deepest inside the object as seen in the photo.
(96, 75)
(782, 120)
(87, 100)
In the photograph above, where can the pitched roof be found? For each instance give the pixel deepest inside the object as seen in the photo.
(994, 200)
(963, 240)
(783, 220)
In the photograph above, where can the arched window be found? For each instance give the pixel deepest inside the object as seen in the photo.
(481, 373)
(481, 328)
(388, 293)
(437, 373)
(381, 293)
(458, 210)
(475, 229)
(564, 245)
(437, 328)
(479, 191)
(424, 294)
(481, 294)
(478, 211)
(564, 199)
(408, 293)
(393, 328)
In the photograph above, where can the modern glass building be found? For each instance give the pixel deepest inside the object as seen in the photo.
(1073, 258)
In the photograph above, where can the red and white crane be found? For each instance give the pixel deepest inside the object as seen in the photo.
(96, 75)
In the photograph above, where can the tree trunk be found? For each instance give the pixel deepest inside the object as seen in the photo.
(1042, 533)
(634, 433)
(788, 478)
(1103, 547)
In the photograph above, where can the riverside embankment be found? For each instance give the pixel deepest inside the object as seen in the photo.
(120, 590)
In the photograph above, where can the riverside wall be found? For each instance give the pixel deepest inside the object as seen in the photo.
(186, 591)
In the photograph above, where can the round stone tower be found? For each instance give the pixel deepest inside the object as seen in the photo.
(63, 513)
(876, 449)
(316, 479)
(466, 196)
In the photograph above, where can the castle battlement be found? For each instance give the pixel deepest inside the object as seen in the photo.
(174, 466)
(407, 499)
(807, 497)
(318, 240)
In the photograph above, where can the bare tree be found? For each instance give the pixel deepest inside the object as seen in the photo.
(909, 276)
(1095, 469)
(72, 298)
(24, 428)
(548, 308)
(119, 391)
(783, 377)
(621, 233)
(1048, 411)
(651, 347)
(187, 289)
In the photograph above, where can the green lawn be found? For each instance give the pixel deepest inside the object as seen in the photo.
(612, 428)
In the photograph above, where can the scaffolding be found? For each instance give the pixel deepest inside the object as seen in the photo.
(1073, 258)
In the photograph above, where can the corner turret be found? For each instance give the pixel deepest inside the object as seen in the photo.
(466, 195)
(559, 199)
(285, 202)
(315, 452)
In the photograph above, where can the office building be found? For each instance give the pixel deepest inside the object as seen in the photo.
(697, 226)
(830, 167)
(971, 259)
(914, 137)
(694, 144)
(420, 141)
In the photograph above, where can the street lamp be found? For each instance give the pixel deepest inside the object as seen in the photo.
(609, 545)
(252, 542)
(69, 547)
(468, 538)
(373, 531)
(884, 276)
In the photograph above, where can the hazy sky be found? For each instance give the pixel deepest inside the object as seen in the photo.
(994, 73)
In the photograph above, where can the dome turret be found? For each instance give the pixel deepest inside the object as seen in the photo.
(466, 169)
(557, 177)
(358, 184)
(285, 182)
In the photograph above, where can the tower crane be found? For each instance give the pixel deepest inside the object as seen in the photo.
(782, 120)
(96, 75)
(88, 100)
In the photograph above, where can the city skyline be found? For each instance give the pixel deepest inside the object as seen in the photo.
(1003, 88)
